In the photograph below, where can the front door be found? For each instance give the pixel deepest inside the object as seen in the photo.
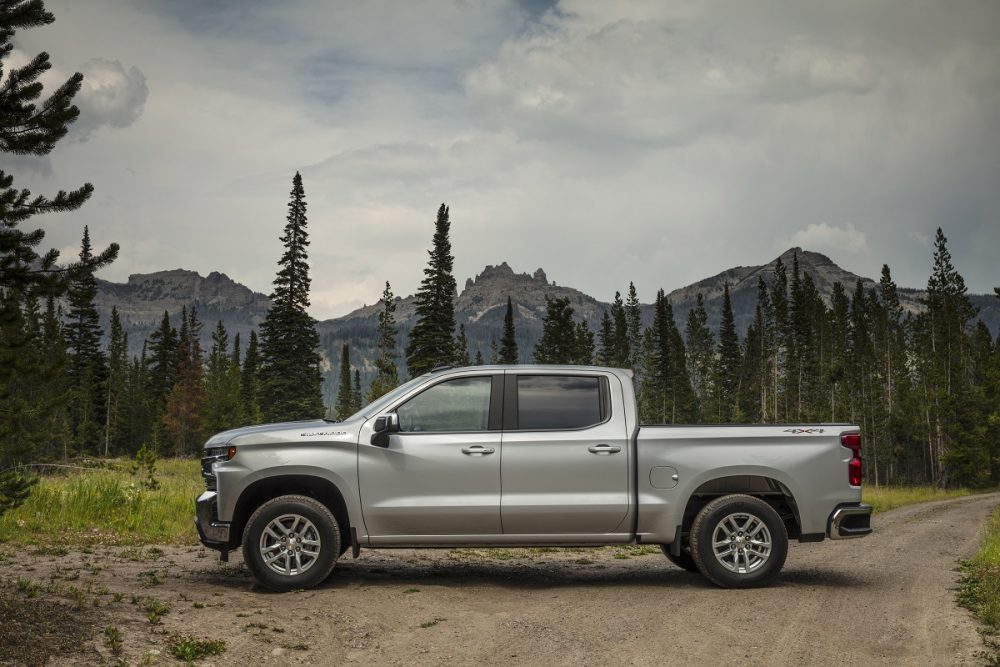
(440, 475)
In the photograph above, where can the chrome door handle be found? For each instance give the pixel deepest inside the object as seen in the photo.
(477, 450)
(603, 450)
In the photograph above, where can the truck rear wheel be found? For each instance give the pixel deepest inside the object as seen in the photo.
(685, 561)
(739, 541)
(291, 542)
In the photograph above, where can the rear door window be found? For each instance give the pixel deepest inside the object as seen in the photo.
(562, 402)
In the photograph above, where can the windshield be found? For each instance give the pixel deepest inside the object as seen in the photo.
(379, 404)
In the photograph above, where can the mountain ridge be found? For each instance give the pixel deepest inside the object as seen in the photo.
(480, 305)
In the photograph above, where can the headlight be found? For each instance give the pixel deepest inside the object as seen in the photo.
(220, 453)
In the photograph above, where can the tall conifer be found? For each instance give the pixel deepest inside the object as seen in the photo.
(30, 126)
(701, 357)
(727, 384)
(290, 386)
(508, 342)
(461, 347)
(633, 325)
(432, 342)
(183, 413)
(250, 382)
(115, 387)
(87, 369)
(386, 373)
(343, 406)
(560, 342)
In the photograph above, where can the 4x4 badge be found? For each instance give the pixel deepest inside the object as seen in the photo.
(803, 430)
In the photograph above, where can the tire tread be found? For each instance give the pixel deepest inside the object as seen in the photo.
(773, 567)
(315, 505)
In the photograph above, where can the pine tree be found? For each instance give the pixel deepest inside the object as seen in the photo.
(461, 347)
(701, 357)
(118, 367)
(356, 394)
(88, 368)
(508, 342)
(250, 382)
(559, 343)
(620, 354)
(431, 342)
(665, 394)
(728, 374)
(633, 326)
(162, 363)
(290, 386)
(606, 341)
(779, 343)
(223, 407)
(763, 350)
(182, 418)
(386, 374)
(584, 348)
(345, 396)
(53, 394)
(29, 126)
(959, 452)
(839, 360)
(139, 414)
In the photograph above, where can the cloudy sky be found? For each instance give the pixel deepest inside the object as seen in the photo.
(650, 141)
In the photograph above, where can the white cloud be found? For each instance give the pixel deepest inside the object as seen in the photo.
(110, 96)
(829, 239)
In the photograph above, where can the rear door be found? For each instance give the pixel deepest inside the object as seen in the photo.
(565, 459)
(440, 475)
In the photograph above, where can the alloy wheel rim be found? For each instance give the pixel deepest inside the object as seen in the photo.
(290, 544)
(741, 542)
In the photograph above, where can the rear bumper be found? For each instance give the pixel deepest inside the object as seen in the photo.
(213, 533)
(848, 521)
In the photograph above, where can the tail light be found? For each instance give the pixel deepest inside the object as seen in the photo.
(854, 467)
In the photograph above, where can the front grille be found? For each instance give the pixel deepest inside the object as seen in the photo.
(212, 454)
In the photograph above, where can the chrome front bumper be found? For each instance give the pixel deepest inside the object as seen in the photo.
(212, 532)
(849, 521)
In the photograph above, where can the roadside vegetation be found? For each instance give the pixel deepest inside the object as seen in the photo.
(979, 591)
(885, 498)
(110, 503)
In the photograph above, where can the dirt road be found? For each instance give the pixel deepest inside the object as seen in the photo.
(886, 599)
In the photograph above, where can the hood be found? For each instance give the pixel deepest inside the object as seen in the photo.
(315, 430)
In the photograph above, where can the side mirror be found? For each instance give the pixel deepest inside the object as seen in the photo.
(384, 425)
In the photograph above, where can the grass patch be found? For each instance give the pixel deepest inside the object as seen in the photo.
(432, 623)
(979, 589)
(154, 608)
(885, 498)
(186, 647)
(109, 505)
(113, 639)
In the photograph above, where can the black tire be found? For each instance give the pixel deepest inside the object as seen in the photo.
(685, 561)
(722, 566)
(323, 535)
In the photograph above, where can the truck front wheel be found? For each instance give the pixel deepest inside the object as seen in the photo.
(739, 541)
(291, 542)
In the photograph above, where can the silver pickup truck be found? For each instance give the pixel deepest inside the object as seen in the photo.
(526, 456)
